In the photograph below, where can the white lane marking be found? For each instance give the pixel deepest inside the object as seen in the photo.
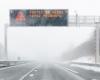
(73, 73)
(28, 73)
(65, 68)
(94, 79)
(71, 70)
(13, 66)
(35, 70)
(31, 75)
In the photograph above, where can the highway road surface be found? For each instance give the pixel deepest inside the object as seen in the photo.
(31, 71)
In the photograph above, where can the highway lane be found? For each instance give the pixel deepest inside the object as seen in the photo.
(60, 73)
(16, 72)
(37, 71)
(51, 72)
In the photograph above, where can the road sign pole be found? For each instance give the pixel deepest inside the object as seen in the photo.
(76, 16)
(6, 46)
(97, 43)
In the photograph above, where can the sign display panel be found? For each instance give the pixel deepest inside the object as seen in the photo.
(42, 17)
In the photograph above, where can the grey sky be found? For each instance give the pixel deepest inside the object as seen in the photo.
(45, 43)
(32, 39)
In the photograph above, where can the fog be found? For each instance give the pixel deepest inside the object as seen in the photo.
(45, 43)
(26, 40)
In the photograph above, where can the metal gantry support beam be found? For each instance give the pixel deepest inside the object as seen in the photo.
(6, 42)
(78, 21)
(88, 21)
(97, 43)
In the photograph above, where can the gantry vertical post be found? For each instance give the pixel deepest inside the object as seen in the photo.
(6, 44)
(97, 43)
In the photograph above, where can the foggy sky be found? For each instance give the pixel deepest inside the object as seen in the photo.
(26, 37)
(45, 43)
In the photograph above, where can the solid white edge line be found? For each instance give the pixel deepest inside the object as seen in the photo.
(28, 72)
(65, 68)
(71, 70)
(74, 73)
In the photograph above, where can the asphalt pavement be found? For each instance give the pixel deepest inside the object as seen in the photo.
(31, 71)
(87, 74)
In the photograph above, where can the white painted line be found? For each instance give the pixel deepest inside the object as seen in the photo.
(31, 75)
(65, 68)
(28, 73)
(94, 79)
(35, 70)
(71, 70)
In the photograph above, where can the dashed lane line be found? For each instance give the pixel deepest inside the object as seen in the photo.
(29, 72)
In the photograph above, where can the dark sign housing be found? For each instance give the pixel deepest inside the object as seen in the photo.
(51, 17)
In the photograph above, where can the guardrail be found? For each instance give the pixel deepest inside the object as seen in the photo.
(87, 64)
(11, 63)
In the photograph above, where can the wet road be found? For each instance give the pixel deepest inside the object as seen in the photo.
(33, 71)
